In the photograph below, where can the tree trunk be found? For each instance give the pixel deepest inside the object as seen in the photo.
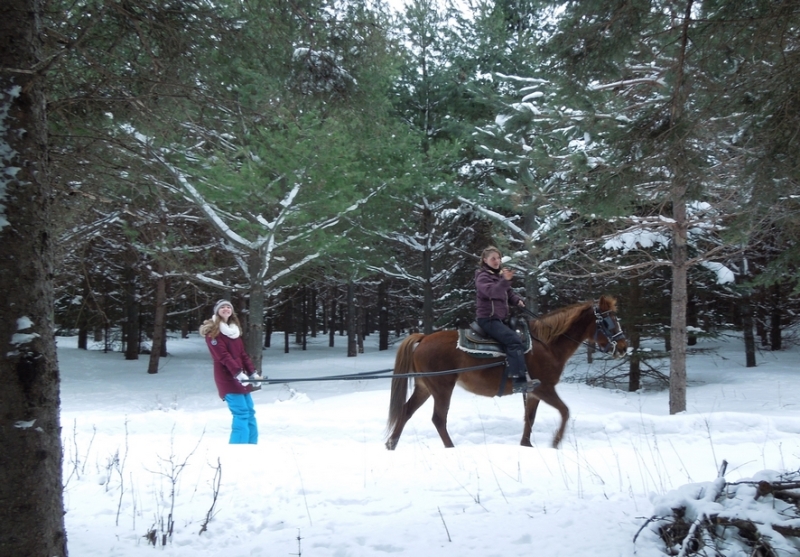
(255, 323)
(312, 313)
(677, 360)
(361, 318)
(287, 323)
(632, 332)
(159, 319)
(680, 257)
(775, 319)
(304, 317)
(31, 504)
(332, 326)
(299, 318)
(691, 318)
(747, 330)
(131, 311)
(761, 327)
(352, 348)
(427, 275)
(383, 316)
(83, 337)
(83, 319)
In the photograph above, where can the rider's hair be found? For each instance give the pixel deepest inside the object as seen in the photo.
(487, 251)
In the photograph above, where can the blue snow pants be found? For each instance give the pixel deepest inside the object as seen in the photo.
(244, 428)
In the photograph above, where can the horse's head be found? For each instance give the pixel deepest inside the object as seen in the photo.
(608, 335)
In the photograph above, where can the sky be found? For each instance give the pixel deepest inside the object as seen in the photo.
(140, 448)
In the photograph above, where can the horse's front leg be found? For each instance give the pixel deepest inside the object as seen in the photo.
(548, 395)
(531, 404)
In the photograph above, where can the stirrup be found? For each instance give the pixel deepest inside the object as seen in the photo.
(525, 386)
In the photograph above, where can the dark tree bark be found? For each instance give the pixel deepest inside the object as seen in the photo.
(131, 313)
(31, 504)
(304, 317)
(691, 318)
(747, 328)
(83, 320)
(287, 323)
(383, 316)
(268, 332)
(332, 326)
(255, 323)
(352, 348)
(427, 274)
(632, 332)
(312, 313)
(775, 319)
(361, 318)
(159, 321)
(680, 256)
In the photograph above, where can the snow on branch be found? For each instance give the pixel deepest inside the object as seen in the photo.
(628, 82)
(291, 268)
(398, 273)
(195, 195)
(502, 219)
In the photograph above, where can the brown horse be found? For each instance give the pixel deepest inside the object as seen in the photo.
(556, 336)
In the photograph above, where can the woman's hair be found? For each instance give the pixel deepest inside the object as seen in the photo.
(487, 251)
(210, 327)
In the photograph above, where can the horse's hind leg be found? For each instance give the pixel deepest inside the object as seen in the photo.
(417, 399)
(441, 406)
(531, 405)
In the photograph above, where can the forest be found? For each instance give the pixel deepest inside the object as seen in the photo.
(335, 166)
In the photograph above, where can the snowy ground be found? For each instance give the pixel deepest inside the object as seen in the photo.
(320, 482)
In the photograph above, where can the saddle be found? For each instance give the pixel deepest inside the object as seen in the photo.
(477, 343)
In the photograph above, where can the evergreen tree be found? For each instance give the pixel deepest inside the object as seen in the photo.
(625, 135)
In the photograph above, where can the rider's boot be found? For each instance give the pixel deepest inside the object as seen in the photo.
(518, 372)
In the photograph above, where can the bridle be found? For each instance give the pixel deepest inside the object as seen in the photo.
(606, 323)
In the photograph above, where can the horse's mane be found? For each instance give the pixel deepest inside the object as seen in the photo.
(558, 322)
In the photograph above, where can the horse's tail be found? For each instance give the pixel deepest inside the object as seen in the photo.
(403, 363)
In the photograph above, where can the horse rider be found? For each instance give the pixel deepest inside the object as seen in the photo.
(494, 295)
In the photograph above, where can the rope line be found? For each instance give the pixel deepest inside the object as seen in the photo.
(380, 374)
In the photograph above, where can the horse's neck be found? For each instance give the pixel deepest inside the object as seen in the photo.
(580, 331)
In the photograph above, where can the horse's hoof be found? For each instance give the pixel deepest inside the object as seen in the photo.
(390, 445)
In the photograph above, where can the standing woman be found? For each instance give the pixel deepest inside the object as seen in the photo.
(232, 365)
(494, 295)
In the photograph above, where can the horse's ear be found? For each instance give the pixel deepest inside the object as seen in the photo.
(608, 303)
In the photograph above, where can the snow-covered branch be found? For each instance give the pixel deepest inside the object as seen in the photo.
(502, 219)
(628, 82)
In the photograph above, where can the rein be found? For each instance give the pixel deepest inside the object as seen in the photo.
(604, 324)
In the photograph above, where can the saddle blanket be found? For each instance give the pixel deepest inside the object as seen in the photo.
(484, 347)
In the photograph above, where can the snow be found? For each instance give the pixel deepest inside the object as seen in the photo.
(320, 482)
(23, 323)
(628, 241)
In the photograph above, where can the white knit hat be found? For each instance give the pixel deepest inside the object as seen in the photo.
(220, 304)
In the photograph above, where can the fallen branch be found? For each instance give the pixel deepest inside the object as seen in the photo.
(757, 517)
